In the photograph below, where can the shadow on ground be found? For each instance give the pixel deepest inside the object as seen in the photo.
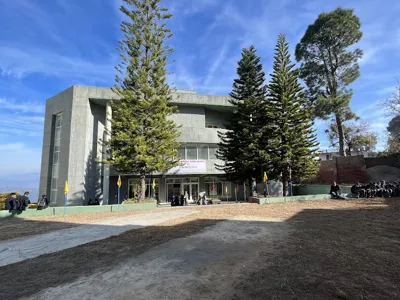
(324, 254)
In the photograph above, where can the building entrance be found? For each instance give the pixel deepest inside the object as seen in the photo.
(178, 186)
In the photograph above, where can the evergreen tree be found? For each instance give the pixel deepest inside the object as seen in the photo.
(329, 65)
(295, 153)
(242, 147)
(143, 140)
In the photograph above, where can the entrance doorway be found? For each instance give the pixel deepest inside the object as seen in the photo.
(178, 186)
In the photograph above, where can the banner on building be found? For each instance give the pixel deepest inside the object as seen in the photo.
(189, 167)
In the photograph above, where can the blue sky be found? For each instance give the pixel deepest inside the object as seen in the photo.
(48, 45)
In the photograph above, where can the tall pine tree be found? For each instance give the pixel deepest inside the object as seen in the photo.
(143, 140)
(296, 150)
(241, 147)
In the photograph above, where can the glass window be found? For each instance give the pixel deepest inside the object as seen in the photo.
(212, 150)
(195, 179)
(181, 152)
(57, 145)
(56, 158)
(212, 179)
(203, 151)
(57, 134)
(191, 152)
(53, 196)
(54, 183)
(55, 171)
(58, 120)
(149, 188)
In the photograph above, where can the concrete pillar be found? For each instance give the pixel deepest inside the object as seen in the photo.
(106, 168)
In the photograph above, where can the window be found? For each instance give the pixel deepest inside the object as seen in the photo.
(181, 152)
(134, 185)
(210, 125)
(203, 151)
(212, 151)
(191, 152)
(216, 187)
(56, 158)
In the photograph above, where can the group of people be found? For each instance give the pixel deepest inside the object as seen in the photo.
(376, 189)
(179, 201)
(95, 202)
(370, 190)
(15, 203)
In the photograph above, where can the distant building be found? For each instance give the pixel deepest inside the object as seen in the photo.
(329, 155)
(74, 123)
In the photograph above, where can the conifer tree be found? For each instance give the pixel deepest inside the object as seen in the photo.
(142, 138)
(241, 148)
(329, 65)
(295, 152)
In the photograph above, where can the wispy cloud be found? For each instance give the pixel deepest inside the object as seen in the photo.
(21, 62)
(22, 106)
(15, 124)
(216, 63)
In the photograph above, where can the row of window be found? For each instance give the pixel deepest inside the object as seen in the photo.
(198, 151)
(56, 157)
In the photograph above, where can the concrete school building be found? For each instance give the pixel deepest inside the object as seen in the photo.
(75, 120)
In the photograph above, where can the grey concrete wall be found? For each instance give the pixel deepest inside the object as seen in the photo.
(84, 116)
(190, 116)
(199, 135)
(61, 102)
(80, 145)
(92, 186)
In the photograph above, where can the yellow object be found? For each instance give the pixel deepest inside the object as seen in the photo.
(119, 183)
(66, 187)
(154, 184)
(32, 205)
(265, 177)
(226, 189)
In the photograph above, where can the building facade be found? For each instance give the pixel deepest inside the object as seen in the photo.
(75, 120)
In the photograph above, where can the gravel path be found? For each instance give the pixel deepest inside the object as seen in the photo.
(203, 264)
(24, 248)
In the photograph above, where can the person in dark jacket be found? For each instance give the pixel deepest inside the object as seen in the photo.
(335, 191)
(358, 190)
(43, 203)
(23, 201)
(12, 202)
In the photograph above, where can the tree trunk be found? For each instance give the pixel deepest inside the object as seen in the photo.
(339, 124)
(253, 183)
(285, 185)
(142, 190)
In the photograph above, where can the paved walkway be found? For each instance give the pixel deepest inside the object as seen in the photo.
(25, 248)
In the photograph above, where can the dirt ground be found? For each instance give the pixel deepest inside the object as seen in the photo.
(304, 250)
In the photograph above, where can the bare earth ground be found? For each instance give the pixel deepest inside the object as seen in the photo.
(309, 250)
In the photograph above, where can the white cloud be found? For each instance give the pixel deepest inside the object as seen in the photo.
(215, 64)
(16, 124)
(22, 106)
(17, 158)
